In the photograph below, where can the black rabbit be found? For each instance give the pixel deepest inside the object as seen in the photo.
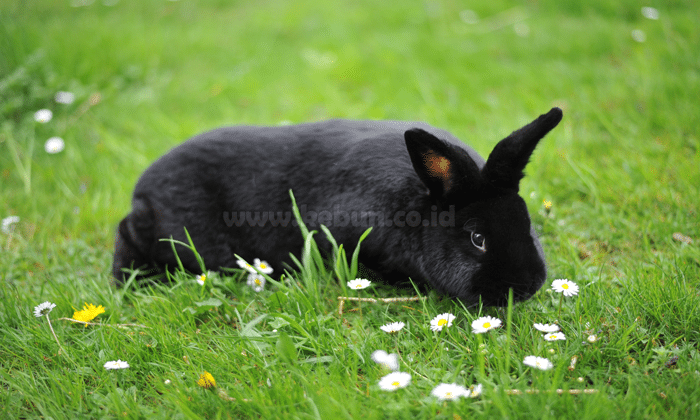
(440, 213)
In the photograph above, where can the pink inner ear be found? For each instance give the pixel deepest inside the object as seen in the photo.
(439, 167)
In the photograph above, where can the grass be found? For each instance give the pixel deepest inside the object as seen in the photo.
(621, 174)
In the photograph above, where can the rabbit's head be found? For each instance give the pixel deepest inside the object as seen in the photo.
(492, 247)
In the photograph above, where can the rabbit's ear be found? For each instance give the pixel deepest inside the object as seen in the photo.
(505, 165)
(443, 168)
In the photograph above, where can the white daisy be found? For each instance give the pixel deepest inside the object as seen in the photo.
(567, 287)
(43, 309)
(65, 98)
(442, 320)
(263, 266)
(538, 362)
(650, 13)
(43, 116)
(54, 145)
(445, 392)
(256, 281)
(359, 284)
(474, 391)
(547, 328)
(592, 338)
(118, 364)
(392, 327)
(201, 278)
(248, 267)
(639, 35)
(7, 224)
(555, 336)
(389, 361)
(394, 381)
(485, 323)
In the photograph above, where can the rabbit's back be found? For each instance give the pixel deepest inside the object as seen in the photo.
(230, 187)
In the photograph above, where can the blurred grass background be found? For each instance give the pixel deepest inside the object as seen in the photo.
(161, 71)
(621, 171)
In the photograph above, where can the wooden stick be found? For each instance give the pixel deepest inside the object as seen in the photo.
(558, 391)
(104, 325)
(342, 300)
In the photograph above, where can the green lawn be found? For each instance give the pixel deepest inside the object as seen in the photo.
(621, 174)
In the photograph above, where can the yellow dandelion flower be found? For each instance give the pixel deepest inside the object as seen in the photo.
(88, 313)
(206, 380)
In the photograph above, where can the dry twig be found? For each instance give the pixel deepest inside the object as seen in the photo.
(104, 325)
(342, 300)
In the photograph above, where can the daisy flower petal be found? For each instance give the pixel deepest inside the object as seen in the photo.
(116, 364)
(442, 320)
(43, 116)
(43, 309)
(445, 392)
(546, 328)
(65, 98)
(201, 278)
(359, 284)
(263, 266)
(256, 281)
(475, 390)
(567, 287)
(54, 145)
(394, 381)
(485, 323)
(245, 265)
(650, 13)
(541, 363)
(7, 224)
(555, 336)
(389, 361)
(392, 327)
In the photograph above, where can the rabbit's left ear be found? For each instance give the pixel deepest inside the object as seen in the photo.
(506, 163)
(447, 171)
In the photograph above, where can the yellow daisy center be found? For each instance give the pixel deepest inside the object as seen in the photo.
(448, 395)
(358, 286)
(564, 286)
(487, 325)
(442, 322)
(263, 266)
(257, 281)
(395, 383)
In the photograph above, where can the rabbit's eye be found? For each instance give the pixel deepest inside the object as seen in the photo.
(479, 241)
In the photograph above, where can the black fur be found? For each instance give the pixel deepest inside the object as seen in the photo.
(339, 168)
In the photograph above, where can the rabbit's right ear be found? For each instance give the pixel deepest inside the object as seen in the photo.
(506, 163)
(446, 170)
